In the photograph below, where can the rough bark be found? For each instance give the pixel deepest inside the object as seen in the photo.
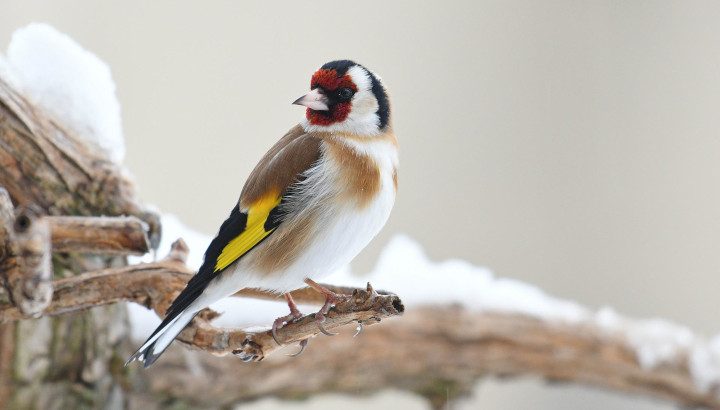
(41, 164)
(69, 361)
(27, 272)
(438, 352)
(155, 285)
(433, 351)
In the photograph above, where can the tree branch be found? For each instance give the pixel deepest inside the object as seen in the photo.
(456, 347)
(122, 235)
(437, 352)
(366, 307)
(27, 240)
(65, 362)
(155, 285)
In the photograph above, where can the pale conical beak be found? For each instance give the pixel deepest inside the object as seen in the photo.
(314, 100)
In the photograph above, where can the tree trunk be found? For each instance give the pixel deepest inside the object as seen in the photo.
(74, 360)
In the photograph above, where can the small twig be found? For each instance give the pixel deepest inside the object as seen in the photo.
(306, 296)
(364, 306)
(153, 285)
(122, 235)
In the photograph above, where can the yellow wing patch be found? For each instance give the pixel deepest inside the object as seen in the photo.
(254, 231)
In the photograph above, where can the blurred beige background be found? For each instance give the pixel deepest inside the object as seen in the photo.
(571, 144)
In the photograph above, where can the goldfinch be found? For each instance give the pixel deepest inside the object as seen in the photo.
(311, 204)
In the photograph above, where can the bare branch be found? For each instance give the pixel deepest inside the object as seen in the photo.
(305, 296)
(456, 347)
(364, 306)
(122, 235)
(155, 285)
(26, 248)
(438, 352)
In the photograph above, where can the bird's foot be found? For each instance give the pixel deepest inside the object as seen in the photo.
(279, 322)
(331, 299)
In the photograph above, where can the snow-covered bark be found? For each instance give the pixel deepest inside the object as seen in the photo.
(69, 83)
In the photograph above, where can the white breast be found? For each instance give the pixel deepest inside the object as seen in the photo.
(342, 230)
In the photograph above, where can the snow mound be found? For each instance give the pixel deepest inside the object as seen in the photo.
(70, 84)
(404, 269)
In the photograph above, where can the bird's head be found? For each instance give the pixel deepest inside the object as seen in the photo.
(346, 97)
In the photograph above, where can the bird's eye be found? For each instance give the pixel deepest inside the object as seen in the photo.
(345, 93)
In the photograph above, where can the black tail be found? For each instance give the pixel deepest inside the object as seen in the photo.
(161, 338)
(183, 310)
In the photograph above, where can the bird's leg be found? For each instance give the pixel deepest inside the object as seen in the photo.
(331, 298)
(279, 322)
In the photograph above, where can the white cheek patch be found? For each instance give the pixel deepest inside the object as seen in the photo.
(360, 77)
(363, 117)
(364, 102)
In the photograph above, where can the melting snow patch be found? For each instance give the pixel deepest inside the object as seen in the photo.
(72, 85)
(704, 364)
(657, 342)
(404, 268)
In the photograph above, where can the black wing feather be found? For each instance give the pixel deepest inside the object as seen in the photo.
(233, 226)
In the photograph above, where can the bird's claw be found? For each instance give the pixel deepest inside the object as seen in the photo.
(319, 319)
(325, 332)
(281, 321)
(303, 344)
(361, 323)
(248, 358)
(274, 335)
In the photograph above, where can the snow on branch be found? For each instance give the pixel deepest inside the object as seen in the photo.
(72, 86)
(44, 165)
